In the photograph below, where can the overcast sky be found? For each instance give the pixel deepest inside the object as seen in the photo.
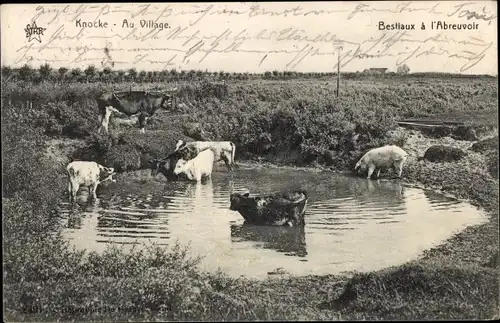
(254, 37)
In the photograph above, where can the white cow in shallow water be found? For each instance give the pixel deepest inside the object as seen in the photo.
(382, 157)
(223, 150)
(86, 173)
(198, 167)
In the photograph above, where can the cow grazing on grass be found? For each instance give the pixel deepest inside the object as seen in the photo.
(130, 103)
(223, 150)
(286, 208)
(86, 173)
(381, 158)
(197, 168)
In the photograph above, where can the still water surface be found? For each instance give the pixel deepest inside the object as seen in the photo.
(351, 223)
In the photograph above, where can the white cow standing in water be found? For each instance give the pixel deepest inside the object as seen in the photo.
(198, 167)
(382, 157)
(86, 173)
(223, 150)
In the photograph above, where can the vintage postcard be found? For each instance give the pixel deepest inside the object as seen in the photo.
(245, 161)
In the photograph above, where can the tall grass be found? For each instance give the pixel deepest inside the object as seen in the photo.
(417, 290)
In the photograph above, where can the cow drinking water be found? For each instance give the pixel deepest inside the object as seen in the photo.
(198, 167)
(382, 157)
(223, 150)
(165, 166)
(130, 103)
(86, 173)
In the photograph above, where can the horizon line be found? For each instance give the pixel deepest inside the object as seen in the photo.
(387, 70)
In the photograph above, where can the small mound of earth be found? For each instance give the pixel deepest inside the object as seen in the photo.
(485, 145)
(456, 132)
(464, 133)
(442, 153)
(416, 143)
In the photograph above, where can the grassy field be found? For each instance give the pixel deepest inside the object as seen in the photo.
(295, 122)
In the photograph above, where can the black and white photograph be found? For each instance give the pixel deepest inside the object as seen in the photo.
(250, 161)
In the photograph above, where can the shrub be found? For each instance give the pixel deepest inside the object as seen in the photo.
(96, 149)
(32, 188)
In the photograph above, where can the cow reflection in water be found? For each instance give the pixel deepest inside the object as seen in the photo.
(290, 240)
(128, 217)
(83, 201)
(86, 211)
(84, 219)
(389, 188)
(195, 198)
(201, 195)
(75, 221)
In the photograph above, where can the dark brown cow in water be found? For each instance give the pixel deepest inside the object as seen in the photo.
(283, 208)
(167, 165)
(130, 103)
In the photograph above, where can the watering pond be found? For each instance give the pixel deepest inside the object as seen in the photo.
(351, 223)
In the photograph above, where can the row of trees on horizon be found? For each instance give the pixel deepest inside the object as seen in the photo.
(46, 73)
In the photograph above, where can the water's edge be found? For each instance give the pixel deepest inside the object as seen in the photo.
(251, 166)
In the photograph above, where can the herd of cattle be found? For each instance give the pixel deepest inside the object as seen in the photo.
(195, 160)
